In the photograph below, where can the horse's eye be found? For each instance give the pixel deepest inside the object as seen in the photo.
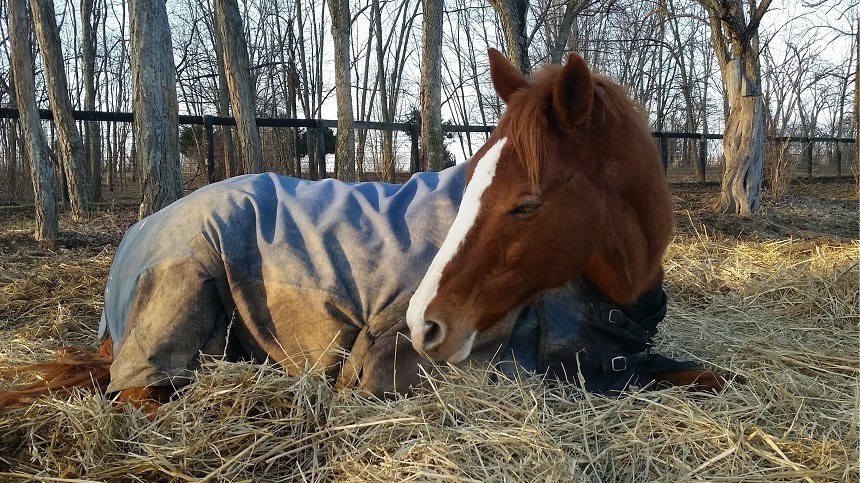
(525, 209)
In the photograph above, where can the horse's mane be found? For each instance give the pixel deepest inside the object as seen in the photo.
(529, 115)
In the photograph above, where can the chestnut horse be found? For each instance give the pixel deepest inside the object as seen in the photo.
(569, 185)
(570, 182)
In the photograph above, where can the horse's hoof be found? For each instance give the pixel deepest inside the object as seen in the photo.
(697, 381)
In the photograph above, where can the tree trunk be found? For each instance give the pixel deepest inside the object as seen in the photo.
(42, 170)
(234, 47)
(473, 65)
(512, 16)
(11, 133)
(295, 166)
(92, 132)
(108, 148)
(432, 140)
(743, 146)
(230, 168)
(71, 146)
(110, 154)
(120, 132)
(686, 90)
(294, 113)
(306, 94)
(364, 103)
(387, 165)
(12, 155)
(155, 107)
(284, 51)
(735, 43)
(571, 10)
(345, 145)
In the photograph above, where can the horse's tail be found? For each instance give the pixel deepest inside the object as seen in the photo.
(73, 367)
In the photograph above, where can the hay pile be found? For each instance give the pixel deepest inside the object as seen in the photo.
(782, 316)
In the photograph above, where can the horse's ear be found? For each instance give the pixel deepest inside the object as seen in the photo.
(506, 78)
(573, 92)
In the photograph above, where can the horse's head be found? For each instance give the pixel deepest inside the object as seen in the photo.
(569, 183)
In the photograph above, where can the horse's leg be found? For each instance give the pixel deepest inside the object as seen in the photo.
(176, 314)
(698, 381)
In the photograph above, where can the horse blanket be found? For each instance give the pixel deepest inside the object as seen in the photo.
(318, 274)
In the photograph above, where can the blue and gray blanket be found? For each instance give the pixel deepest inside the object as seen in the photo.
(318, 275)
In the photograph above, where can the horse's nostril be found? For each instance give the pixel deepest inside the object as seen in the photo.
(433, 335)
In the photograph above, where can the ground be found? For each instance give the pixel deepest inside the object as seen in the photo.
(771, 300)
(812, 209)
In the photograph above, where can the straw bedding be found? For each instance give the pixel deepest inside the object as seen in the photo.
(780, 315)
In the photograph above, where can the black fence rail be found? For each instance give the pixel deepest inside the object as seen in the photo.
(412, 130)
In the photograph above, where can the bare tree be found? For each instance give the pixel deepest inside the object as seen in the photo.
(453, 84)
(71, 146)
(285, 72)
(736, 44)
(117, 76)
(476, 83)
(365, 94)
(226, 166)
(512, 15)
(680, 47)
(841, 128)
(237, 69)
(381, 87)
(389, 74)
(155, 107)
(10, 148)
(432, 140)
(572, 8)
(345, 149)
(23, 67)
(92, 133)
(311, 91)
(657, 49)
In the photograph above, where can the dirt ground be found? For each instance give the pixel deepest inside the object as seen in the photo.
(823, 208)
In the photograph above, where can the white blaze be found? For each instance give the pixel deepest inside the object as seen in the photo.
(482, 177)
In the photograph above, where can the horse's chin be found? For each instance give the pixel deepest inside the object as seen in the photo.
(463, 352)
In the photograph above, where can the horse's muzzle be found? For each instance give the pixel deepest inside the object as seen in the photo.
(432, 339)
(432, 335)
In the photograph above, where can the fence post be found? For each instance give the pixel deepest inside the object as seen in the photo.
(838, 160)
(414, 156)
(807, 153)
(703, 157)
(210, 147)
(319, 156)
(664, 151)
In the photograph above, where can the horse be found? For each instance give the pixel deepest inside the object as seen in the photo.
(557, 225)
(568, 183)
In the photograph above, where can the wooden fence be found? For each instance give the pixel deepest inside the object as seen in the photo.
(412, 130)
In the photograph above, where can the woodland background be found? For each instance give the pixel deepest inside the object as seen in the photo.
(803, 75)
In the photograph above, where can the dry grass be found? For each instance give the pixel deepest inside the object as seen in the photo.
(782, 316)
